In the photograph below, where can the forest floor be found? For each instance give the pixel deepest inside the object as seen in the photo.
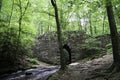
(88, 70)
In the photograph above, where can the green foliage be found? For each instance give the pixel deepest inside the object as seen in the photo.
(12, 48)
(33, 60)
(109, 51)
(91, 47)
(109, 48)
(39, 18)
(91, 43)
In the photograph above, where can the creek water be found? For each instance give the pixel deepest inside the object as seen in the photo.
(31, 74)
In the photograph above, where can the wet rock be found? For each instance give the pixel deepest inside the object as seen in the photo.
(28, 73)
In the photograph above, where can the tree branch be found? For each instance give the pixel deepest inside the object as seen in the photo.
(48, 13)
(25, 8)
(53, 2)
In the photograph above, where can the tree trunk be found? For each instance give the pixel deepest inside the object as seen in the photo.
(104, 17)
(11, 12)
(95, 29)
(62, 59)
(20, 17)
(90, 22)
(78, 22)
(22, 13)
(0, 5)
(114, 36)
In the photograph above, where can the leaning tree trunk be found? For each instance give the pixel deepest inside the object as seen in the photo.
(114, 36)
(62, 60)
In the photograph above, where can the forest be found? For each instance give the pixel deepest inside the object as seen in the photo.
(59, 39)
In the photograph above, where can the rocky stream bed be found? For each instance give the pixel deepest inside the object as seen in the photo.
(81, 70)
(40, 73)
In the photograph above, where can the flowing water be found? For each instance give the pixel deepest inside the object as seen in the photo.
(31, 74)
